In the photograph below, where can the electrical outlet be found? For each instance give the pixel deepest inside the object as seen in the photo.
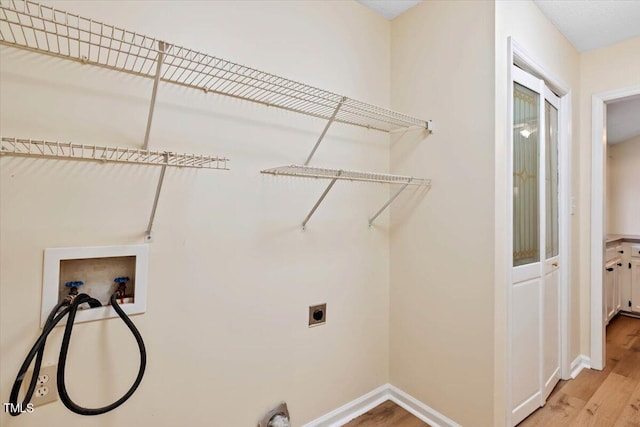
(43, 379)
(46, 388)
(41, 391)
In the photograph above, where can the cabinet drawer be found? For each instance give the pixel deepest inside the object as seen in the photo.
(610, 253)
(635, 251)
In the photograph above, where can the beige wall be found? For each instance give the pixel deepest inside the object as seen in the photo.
(601, 70)
(231, 273)
(623, 184)
(525, 23)
(441, 242)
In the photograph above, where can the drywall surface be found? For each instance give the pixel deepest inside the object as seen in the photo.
(602, 70)
(442, 241)
(527, 26)
(623, 184)
(231, 275)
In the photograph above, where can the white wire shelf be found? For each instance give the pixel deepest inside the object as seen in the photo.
(341, 174)
(41, 28)
(70, 151)
(346, 175)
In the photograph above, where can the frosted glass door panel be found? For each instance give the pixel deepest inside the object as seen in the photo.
(551, 178)
(526, 135)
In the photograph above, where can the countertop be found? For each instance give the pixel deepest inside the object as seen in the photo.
(610, 238)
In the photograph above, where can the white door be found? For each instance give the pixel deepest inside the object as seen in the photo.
(534, 297)
(609, 284)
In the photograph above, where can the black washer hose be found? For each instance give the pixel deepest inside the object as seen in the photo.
(54, 318)
(62, 389)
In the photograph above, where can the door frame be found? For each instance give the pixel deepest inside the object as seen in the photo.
(598, 185)
(519, 56)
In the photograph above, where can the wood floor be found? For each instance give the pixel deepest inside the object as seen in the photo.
(387, 414)
(610, 397)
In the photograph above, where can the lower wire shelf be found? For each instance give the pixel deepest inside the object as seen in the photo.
(71, 151)
(347, 175)
(96, 153)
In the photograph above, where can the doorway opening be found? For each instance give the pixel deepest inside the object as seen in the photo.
(613, 231)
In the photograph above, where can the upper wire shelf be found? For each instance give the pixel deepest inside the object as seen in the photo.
(68, 150)
(341, 174)
(41, 28)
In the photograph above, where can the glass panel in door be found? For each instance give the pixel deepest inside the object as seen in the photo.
(526, 221)
(551, 178)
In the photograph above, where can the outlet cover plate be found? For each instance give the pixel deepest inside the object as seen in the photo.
(46, 381)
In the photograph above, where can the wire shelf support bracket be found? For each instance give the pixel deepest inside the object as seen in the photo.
(386, 205)
(324, 131)
(148, 237)
(340, 174)
(324, 194)
(154, 92)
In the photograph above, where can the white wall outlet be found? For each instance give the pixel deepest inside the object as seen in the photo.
(43, 379)
(46, 388)
(41, 391)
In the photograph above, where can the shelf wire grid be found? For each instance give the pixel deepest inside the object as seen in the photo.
(41, 28)
(71, 151)
(341, 174)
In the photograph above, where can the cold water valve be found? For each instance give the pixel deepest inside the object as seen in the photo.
(73, 289)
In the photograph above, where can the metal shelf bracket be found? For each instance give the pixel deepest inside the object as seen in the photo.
(156, 80)
(326, 128)
(386, 205)
(324, 194)
(148, 236)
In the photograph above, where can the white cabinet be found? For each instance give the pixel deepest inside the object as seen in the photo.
(635, 277)
(611, 290)
(621, 287)
(624, 278)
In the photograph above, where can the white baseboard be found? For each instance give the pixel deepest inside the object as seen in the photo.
(353, 409)
(419, 409)
(363, 404)
(579, 363)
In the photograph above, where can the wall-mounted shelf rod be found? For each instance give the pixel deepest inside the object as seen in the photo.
(41, 28)
(340, 174)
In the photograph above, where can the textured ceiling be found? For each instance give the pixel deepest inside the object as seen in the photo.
(390, 8)
(623, 120)
(591, 24)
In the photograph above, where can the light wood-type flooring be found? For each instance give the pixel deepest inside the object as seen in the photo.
(387, 414)
(610, 397)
